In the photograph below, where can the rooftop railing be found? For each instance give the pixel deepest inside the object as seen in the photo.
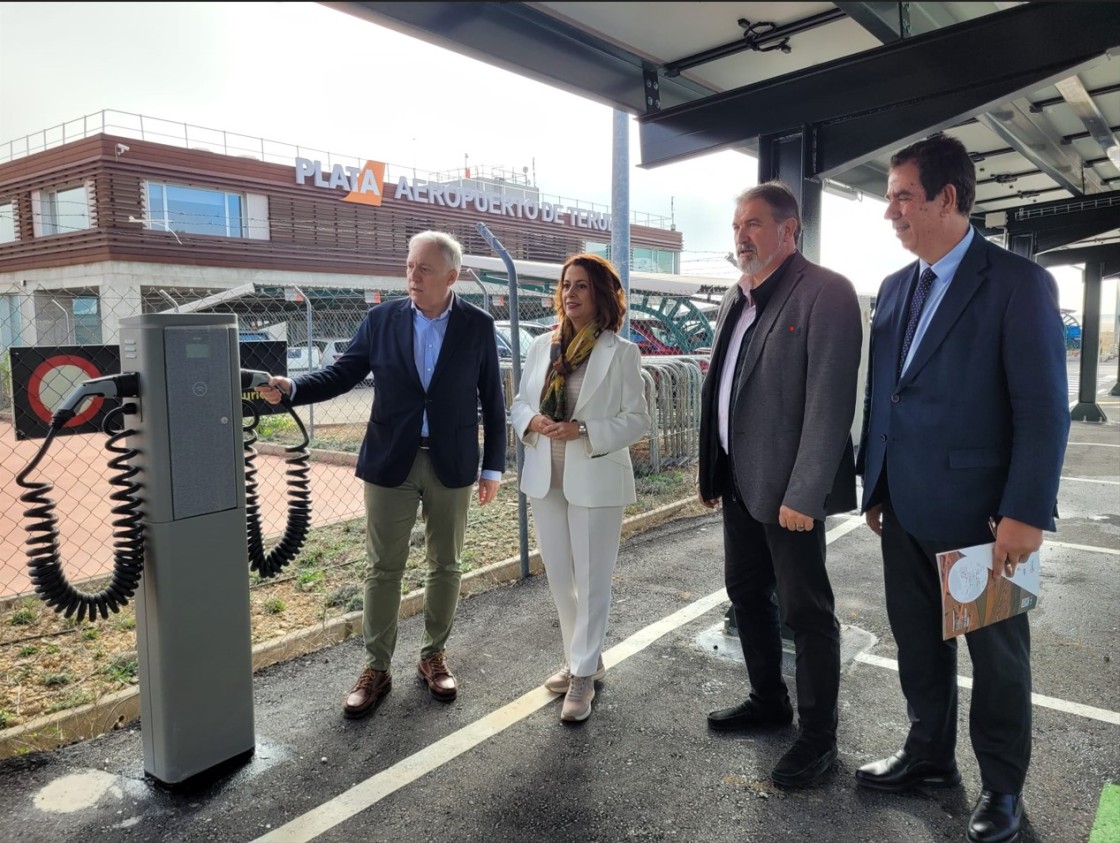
(186, 136)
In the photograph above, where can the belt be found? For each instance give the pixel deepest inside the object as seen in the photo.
(425, 443)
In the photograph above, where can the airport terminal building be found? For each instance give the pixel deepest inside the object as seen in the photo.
(117, 214)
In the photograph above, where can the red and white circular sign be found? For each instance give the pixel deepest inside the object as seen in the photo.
(54, 379)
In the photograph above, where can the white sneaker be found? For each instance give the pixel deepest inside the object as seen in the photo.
(577, 702)
(558, 682)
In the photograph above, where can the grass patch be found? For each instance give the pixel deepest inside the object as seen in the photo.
(123, 668)
(343, 596)
(71, 700)
(1106, 827)
(23, 617)
(309, 581)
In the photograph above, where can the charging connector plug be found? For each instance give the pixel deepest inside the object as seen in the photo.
(123, 385)
(252, 378)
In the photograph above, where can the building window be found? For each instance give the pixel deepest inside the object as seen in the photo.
(195, 210)
(603, 250)
(87, 320)
(11, 322)
(7, 222)
(642, 258)
(65, 211)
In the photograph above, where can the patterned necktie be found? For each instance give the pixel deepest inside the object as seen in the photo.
(916, 304)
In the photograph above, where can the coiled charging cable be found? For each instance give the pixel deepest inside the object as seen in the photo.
(299, 498)
(43, 554)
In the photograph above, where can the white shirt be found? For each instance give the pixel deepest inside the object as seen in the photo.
(727, 372)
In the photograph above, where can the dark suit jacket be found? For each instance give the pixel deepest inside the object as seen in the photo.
(794, 401)
(977, 425)
(466, 375)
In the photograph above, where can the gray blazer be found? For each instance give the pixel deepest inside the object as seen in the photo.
(793, 404)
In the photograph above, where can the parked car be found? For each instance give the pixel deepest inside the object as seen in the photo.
(504, 332)
(298, 356)
(324, 353)
(646, 339)
(534, 328)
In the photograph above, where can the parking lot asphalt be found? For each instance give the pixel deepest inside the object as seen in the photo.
(497, 764)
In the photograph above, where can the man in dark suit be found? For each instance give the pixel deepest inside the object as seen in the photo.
(965, 419)
(775, 447)
(434, 360)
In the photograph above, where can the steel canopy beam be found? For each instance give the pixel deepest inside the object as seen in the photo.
(1105, 255)
(1096, 125)
(1058, 223)
(865, 104)
(529, 42)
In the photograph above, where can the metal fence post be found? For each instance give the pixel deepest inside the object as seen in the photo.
(515, 343)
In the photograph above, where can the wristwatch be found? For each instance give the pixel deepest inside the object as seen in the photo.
(582, 427)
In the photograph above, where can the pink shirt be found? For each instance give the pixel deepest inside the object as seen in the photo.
(727, 372)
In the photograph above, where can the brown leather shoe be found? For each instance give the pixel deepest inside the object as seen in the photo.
(367, 693)
(435, 672)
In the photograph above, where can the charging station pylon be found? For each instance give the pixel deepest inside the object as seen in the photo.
(194, 639)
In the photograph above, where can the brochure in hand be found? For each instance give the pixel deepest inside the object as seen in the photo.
(974, 594)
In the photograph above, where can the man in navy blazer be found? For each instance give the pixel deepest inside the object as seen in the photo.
(434, 359)
(965, 419)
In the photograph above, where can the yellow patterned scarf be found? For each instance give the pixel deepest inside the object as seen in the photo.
(562, 362)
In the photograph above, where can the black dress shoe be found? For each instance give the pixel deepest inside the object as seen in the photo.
(997, 818)
(803, 764)
(903, 771)
(751, 714)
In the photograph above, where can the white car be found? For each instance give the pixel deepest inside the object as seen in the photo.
(324, 353)
(298, 357)
(504, 331)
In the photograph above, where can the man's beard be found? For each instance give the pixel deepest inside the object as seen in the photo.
(753, 263)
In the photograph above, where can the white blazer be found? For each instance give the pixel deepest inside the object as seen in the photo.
(612, 403)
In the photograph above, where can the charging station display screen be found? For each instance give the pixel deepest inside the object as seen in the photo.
(197, 351)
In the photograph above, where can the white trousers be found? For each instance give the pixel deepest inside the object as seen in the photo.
(579, 546)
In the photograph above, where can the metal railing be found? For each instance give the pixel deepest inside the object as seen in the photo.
(187, 136)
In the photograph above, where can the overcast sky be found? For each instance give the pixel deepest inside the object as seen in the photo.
(308, 75)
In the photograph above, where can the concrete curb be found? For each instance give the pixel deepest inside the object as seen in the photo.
(114, 711)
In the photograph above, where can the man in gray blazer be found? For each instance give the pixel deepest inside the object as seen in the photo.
(775, 448)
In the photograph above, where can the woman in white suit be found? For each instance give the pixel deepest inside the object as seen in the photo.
(579, 407)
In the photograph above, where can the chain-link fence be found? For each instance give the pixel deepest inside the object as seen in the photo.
(54, 340)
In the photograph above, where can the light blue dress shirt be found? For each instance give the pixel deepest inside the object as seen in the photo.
(427, 340)
(944, 269)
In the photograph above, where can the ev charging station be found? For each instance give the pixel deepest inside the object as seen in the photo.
(194, 641)
(186, 532)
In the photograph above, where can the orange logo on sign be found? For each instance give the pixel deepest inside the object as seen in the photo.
(368, 184)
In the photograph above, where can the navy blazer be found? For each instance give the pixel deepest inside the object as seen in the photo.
(977, 425)
(466, 380)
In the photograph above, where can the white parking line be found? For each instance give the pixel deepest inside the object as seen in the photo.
(1090, 548)
(1090, 480)
(1065, 706)
(377, 787)
(365, 794)
(1095, 444)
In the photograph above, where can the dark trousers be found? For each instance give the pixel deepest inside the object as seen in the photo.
(761, 560)
(999, 716)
